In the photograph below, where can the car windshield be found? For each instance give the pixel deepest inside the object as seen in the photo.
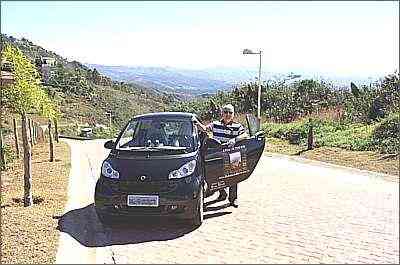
(157, 134)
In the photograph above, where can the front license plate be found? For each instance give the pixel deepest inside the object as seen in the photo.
(143, 200)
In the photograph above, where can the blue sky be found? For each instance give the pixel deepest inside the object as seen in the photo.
(341, 38)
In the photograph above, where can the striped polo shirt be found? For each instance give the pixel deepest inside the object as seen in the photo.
(224, 132)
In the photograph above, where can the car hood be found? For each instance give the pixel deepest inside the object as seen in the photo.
(154, 168)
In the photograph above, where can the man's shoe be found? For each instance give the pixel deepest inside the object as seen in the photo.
(234, 203)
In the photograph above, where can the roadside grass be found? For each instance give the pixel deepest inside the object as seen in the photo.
(29, 235)
(365, 160)
(382, 136)
(372, 147)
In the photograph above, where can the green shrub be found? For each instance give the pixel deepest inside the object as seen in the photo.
(387, 133)
(357, 137)
(69, 130)
(104, 133)
(286, 131)
(6, 130)
(327, 133)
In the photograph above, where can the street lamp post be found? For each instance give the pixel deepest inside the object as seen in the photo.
(248, 51)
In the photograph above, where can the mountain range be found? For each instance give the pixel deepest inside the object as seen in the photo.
(191, 83)
(187, 83)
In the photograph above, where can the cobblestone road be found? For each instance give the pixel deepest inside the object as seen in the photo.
(289, 212)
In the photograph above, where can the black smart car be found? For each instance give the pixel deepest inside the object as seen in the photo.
(162, 165)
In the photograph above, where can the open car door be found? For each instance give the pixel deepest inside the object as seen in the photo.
(224, 166)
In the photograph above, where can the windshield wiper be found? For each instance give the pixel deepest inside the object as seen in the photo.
(137, 148)
(153, 148)
(167, 147)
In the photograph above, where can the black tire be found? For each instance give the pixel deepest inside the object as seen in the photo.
(105, 219)
(198, 218)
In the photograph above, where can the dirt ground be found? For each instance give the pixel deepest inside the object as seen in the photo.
(29, 234)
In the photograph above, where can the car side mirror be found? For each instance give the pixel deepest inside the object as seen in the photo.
(212, 143)
(109, 144)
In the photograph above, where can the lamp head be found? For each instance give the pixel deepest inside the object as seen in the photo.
(247, 51)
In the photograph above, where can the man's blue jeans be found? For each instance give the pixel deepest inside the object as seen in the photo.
(232, 193)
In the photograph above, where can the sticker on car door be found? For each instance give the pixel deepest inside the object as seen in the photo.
(225, 166)
(235, 161)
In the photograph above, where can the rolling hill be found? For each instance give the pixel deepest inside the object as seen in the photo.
(187, 83)
(84, 96)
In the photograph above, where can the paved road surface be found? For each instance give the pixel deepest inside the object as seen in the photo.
(290, 212)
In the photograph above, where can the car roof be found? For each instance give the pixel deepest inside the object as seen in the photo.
(185, 115)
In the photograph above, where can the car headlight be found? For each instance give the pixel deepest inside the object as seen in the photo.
(108, 171)
(184, 171)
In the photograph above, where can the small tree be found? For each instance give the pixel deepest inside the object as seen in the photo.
(24, 95)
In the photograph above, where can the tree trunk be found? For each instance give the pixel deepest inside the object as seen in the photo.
(16, 137)
(56, 130)
(30, 131)
(28, 200)
(310, 136)
(51, 143)
(3, 164)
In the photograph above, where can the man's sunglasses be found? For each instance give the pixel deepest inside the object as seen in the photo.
(226, 112)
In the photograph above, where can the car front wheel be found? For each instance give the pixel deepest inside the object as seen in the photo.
(105, 219)
(198, 217)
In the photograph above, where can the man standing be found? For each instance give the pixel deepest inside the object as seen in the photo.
(227, 132)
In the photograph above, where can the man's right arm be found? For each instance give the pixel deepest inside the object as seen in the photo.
(204, 128)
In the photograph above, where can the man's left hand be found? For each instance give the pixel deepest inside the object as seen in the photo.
(231, 142)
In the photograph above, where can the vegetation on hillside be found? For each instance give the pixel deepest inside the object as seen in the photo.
(84, 95)
(352, 118)
(23, 95)
(26, 94)
(72, 93)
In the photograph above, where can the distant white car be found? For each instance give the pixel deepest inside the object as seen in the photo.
(86, 132)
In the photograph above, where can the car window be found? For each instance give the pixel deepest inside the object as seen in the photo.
(128, 134)
(157, 133)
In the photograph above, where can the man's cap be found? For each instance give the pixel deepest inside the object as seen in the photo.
(228, 107)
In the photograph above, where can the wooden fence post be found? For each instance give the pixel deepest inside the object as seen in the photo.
(3, 164)
(16, 137)
(34, 132)
(40, 134)
(51, 143)
(56, 130)
(37, 132)
(30, 131)
(28, 200)
(310, 135)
